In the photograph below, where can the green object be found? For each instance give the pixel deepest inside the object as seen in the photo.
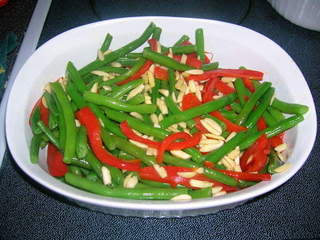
(290, 108)
(80, 163)
(236, 107)
(70, 143)
(107, 141)
(94, 163)
(49, 134)
(276, 114)
(220, 177)
(51, 103)
(61, 122)
(134, 55)
(182, 39)
(135, 193)
(75, 96)
(249, 105)
(226, 148)
(34, 119)
(82, 142)
(53, 121)
(201, 193)
(106, 43)
(73, 75)
(186, 49)
(137, 99)
(124, 89)
(117, 104)
(116, 175)
(164, 60)
(210, 66)
(200, 44)
(269, 119)
(157, 33)
(260, 109)
(93, 177)
(127, 62)
(155, 91)
(241, 91)
(155, 184)
(172, 81)
(34, 148)
(197, 111)
(120, 52)
(127, 74)
(274, 162)
(74, 170)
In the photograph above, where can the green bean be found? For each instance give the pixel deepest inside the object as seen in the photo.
(201, 193)
(80, 163)
(107, 123)
(155, 184)
(195, 154)
(290, 108)
(164, 84)
(44, 141)
(120, 52)
(137, 99)
(117, 104)
(200, 44)
(74, 170)
(134, 55)
(74, 95)
(276, 114)
(127, 74)
(94, 163)
(81, 146)
(172, 81)
(70, 143)
(111, 145)
(270, 121)
(49, 134)
(210, 66)
(137, 124)
(260, 109)
(135, 193)
(106, 43)
(221, 123)
(34, 119)
(53, 121)
(50, 103)
(231, 115)
(184, 49)
(226, 148)
(274, 162)
(125, 156)
(35, 147)
(249, 105)
(110, 69)
(155, 91)
(73, 75)
(93, 177)
(157, 33)
(245, 184)
(127, 62)
(181, 40)
(241, 91)
(124, 89)
(199, 110)
(165, 60)
(220, 177)
(116, 175)
(236, 107)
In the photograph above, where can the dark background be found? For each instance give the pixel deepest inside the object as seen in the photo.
(292, 211)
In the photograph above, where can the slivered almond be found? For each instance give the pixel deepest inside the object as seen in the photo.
(151, 69)
(192, 86)
(180, 97)
(237, 168)
(154, 118)
(226, 164)
(130, 181)
(101, 122)
(174, 98)
(180, 154)
(200, 170)
(164, 92)
(200, 184)
(230, 136)
(47, 87)
(173, 128)
(162, 106)
(272, 99)
(107, 88)
(281, 147)
(139, 144)
(282, 158)
(147, 99)
(179, 84)
(198, 94)
(151, 152)
(77, 123)
(182, 124)
(135, 91)
(183, 59)
(228, 79)
(151, 80)
(215, 190)
(218, 96)
(230, 84)
(160, 170)
(44, 102)
(214, 136)
(94, 88)
(100, 73)
(160, 117)
(107, 52)
(181, 197)
(106, 176)
(283, 168)
(234, 153)
(194, 72)
(186, 174)
(136, 115)
(100, 55)
(170, 54)
(158, 47)
(212, 146)
(220, 193)
(211, 126)
(116, 64)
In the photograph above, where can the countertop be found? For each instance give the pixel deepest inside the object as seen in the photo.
(292, 211)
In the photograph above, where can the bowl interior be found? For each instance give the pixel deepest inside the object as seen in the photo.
(231, 45)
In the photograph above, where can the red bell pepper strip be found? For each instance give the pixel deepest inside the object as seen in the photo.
(56, 166)
(160, 73)
(261, 124)
(224, 88)
(277, 140)
(190, 100)
(153, 44)
(231, 127)
(44, 112)
(258, 153)
(246, 176)
(193, 61)
(92, 124)
(168, 141)
(248, 84)
(208, 91)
